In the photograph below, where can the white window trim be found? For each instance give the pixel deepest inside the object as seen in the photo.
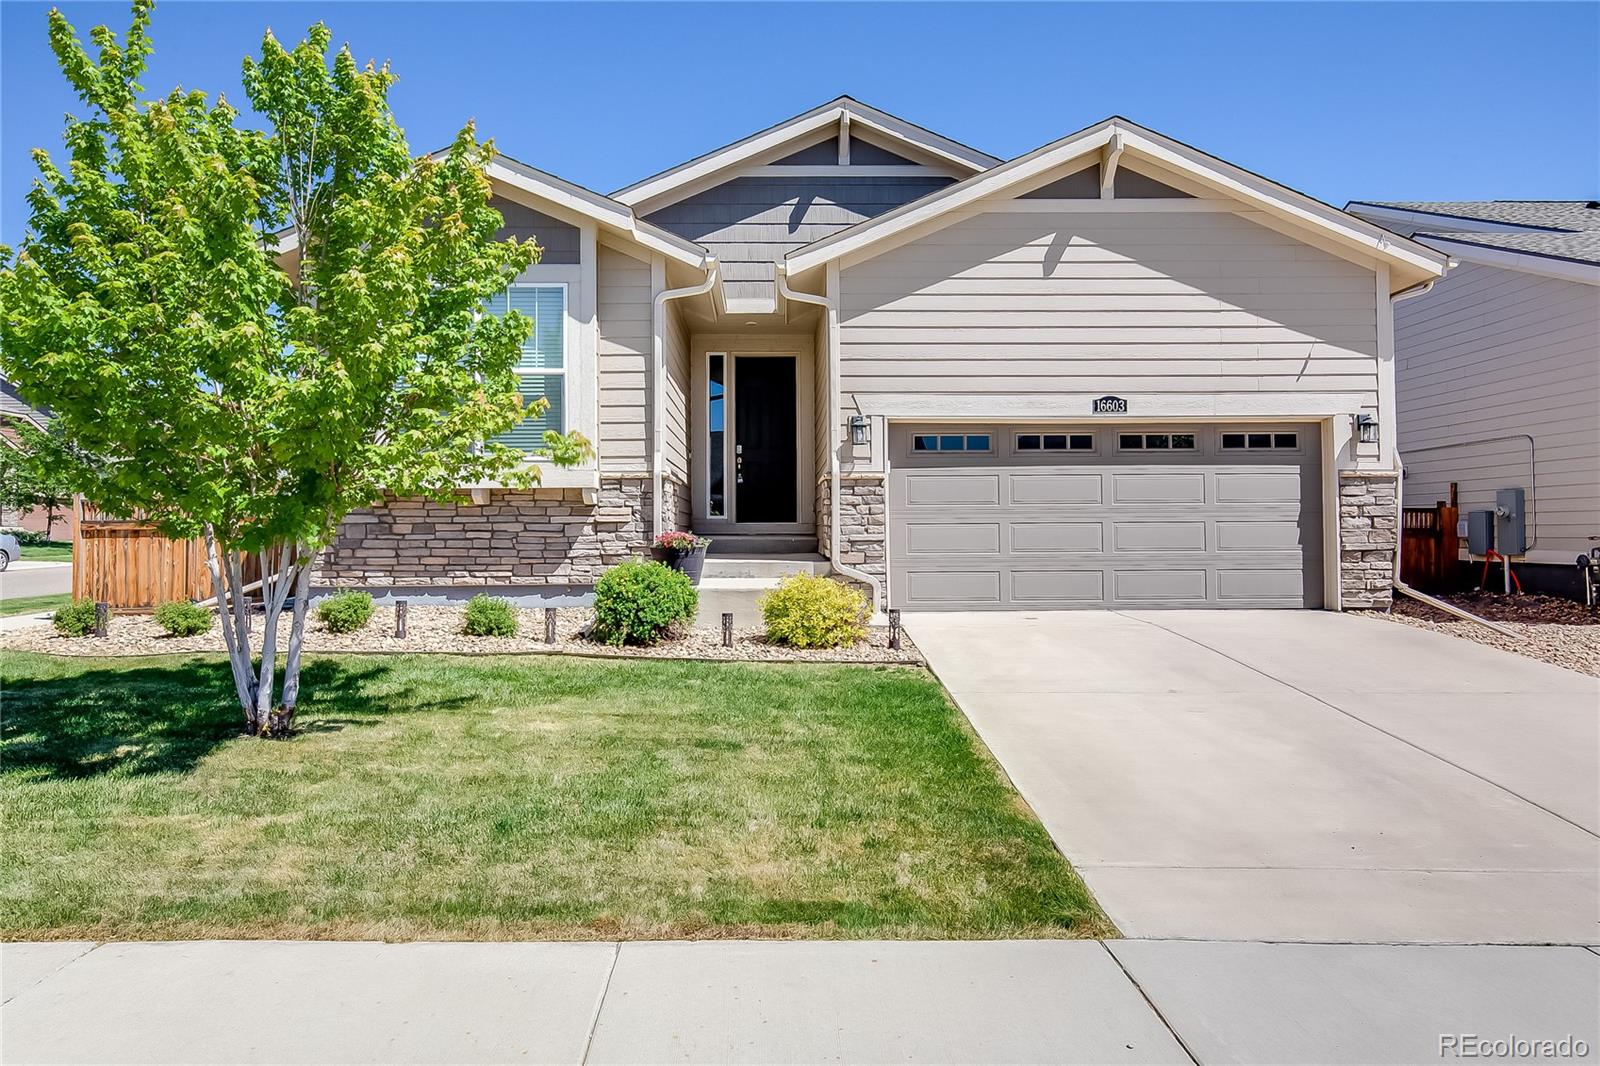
(569, 328)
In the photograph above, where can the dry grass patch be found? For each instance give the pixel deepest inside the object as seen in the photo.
(433, 797)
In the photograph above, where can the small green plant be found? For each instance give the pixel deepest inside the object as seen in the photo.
(345, 612)
(639, 602)
(814, 612)
(490, 616)
(76, 619)
(180, 618)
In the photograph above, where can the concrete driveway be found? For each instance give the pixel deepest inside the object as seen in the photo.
(26, 577)
(1276, 775)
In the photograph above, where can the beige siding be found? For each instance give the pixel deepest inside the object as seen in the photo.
(1491, 352)
(623, 309)
(1034, 304)
(676, 441)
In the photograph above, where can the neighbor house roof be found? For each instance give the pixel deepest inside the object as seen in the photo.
(1411, 263)
(13, 406)
(1555, 229)
(844, 108)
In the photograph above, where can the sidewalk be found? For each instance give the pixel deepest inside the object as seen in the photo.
(729, 1001)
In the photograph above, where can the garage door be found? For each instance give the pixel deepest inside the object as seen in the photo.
(1020, 516)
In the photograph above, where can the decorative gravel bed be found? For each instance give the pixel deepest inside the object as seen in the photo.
(1551, 629)
(438, 629)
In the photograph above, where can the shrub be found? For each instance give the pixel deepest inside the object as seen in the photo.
(345, 612)
(490, 616)
(638, 602)
(814, 612)
(180, 618)
(28, 538)
(76, 619)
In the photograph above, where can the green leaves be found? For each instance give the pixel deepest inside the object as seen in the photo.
(261, 330)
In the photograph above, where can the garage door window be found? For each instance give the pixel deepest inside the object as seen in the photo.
(1156, 442)
(951, 442)
(1055, 442)
(1283, 442)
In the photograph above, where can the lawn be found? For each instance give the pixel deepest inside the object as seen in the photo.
(511, 798)
(56, 551)
(30, 604)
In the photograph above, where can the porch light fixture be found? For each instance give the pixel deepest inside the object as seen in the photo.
(1366, 429)
(859, 432)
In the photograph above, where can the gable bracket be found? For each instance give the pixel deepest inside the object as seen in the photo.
(1109, 157)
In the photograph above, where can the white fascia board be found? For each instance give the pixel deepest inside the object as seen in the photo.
(1233, 181)
(1381, 213)
(802, 125)
(1515, 259)
(1078, 407)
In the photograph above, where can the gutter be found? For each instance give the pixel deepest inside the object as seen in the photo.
(831, 308)
(1399, 516)
(658, 380)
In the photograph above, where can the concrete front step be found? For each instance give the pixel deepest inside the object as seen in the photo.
(761, 544)
(767, 567)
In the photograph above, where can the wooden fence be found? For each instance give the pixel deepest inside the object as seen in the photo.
(1429, 547)
(127, 564)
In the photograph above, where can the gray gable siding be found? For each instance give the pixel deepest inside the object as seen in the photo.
(558, 239)
(750, 223)
(862, 154)
(1085, 185)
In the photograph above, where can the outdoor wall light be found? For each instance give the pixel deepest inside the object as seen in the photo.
(1366, 429)
(859, 432)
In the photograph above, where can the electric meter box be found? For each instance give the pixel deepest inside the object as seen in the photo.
(1480, 532)
(1510, 522)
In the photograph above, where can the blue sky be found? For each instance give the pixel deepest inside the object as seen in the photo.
(1343, 101)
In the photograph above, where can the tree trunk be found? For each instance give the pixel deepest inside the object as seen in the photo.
(275, 584)
(237, 643)
(297, 633)
(50, 522)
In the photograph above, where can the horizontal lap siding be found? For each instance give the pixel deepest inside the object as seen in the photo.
(1014, 303)
(623, 307)
(1491, 352)
(750, 223)
(676, 440)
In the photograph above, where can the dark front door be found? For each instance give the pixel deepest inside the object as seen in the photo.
(763, 437)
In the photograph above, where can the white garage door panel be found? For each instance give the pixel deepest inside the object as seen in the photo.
(1200, 527)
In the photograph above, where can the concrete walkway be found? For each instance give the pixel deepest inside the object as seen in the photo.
(1258, 775)
(725, 1001)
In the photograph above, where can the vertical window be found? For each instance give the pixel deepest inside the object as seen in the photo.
(542, 365)
(716, 420)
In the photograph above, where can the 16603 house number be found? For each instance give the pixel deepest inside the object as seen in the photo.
(1110, 405)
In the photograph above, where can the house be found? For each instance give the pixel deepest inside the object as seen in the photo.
(16, 417)
(1113, 371)
(1497, 370)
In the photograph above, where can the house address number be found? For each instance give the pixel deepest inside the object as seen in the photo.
(1110, 405)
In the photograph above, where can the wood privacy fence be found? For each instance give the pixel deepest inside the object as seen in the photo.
(1429, 547)
(127, 564)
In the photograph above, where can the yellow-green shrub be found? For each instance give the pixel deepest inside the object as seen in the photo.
(814, 612)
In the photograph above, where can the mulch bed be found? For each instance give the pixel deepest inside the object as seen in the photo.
(1550, 629)
(438, 630)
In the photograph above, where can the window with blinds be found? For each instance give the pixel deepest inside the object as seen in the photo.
(542, 366)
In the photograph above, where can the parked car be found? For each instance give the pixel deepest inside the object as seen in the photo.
(9, 550)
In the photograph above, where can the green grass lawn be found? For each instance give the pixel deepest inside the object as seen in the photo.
(510, 798)
(57, 551)
(31, 604)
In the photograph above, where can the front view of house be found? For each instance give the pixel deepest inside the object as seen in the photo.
(1112, 372)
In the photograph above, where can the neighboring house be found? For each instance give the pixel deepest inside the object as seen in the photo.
(1498, 368)
(1114, 371)
(14, 412)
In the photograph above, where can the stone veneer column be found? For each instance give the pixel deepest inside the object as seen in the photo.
(863, 525)
(1368, 537)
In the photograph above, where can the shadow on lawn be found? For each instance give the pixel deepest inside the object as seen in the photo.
(164, 719)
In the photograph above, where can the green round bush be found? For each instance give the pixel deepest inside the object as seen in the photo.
(180, 618)
(814, 612)
(490, 616)
(345, 612)
(76, 619)
(638, 602)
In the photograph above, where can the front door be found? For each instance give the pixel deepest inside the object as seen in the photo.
(764, 438)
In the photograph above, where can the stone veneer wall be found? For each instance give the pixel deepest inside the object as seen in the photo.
(824, 513)
(1368, 537)
(536, 537)
(863, 525)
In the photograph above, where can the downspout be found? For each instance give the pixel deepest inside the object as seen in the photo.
(1399, 515)
(831, 309)
(658, 381)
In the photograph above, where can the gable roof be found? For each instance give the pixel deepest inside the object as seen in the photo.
(1411, 262)
(1554, 229)
(12, 405)
(792, 130)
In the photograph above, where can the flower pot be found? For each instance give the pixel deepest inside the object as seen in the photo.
(690, 562)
